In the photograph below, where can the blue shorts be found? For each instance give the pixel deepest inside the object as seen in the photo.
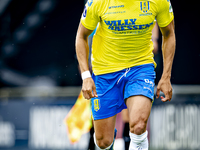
(113, 88)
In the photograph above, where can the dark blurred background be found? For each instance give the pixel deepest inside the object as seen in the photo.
(37, 39)
(40, 81)
(37, 42)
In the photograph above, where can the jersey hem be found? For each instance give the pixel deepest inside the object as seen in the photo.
(121, 68)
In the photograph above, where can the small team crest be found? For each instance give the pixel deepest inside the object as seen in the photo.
(144, 6)
(96, 104)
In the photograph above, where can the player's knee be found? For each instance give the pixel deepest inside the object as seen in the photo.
(104, 142)
(138, 127)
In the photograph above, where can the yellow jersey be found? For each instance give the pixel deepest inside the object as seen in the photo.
(124, 33)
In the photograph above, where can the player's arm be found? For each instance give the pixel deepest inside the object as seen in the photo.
(82, 48)
(82, 52)
(168, 50)
(155, 37)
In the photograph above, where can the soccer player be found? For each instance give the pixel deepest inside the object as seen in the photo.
(123, 64)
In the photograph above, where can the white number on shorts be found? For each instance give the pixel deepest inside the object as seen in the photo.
(148, 81)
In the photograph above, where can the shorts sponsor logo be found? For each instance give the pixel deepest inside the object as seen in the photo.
(96, 104)
(148, 81)
(148, 89)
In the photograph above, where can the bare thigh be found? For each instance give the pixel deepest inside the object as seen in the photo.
(104, 130)
(139, 108)
(125, 116)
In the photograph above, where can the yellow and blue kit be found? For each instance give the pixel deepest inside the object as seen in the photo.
(122, 57)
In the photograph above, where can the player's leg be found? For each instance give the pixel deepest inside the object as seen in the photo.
(139, 93)
(110, 101)
(139, 108)
(126, 136)
(104, 110)
(91, 145)
(104, 132)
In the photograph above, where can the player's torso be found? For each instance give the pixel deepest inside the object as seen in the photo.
(130, 17)
(123, 37)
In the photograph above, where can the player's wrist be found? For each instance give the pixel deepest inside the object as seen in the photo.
(166, 77)
(86, 74)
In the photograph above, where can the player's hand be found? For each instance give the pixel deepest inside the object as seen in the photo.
(165, 86)
(89, 88)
